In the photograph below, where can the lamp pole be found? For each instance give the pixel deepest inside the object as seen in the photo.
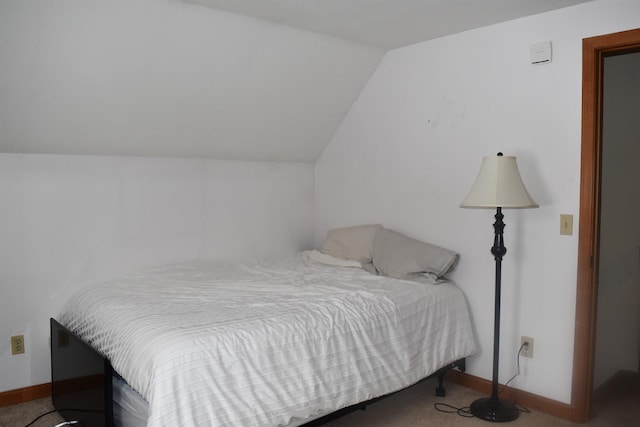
(492, 408)
(498, 250)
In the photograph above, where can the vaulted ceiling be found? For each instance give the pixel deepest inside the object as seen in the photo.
(266, 80)
(387, 24)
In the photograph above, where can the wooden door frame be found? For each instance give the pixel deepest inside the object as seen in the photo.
(594, 50)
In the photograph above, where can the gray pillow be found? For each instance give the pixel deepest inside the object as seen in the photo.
(398, 256)
(354, 243)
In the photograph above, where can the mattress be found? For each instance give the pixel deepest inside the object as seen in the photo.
(129, 407)
(131, 410)
(268, 342)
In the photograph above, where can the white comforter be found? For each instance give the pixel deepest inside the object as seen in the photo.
(268, 343)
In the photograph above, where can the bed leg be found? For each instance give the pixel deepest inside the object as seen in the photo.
(461, 364)
(440, 390)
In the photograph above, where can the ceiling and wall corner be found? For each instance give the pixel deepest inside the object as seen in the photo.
(387, 24)
(265, 80)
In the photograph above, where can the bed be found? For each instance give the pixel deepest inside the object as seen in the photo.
(271, 342)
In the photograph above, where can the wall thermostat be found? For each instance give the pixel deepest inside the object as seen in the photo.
(540, 53)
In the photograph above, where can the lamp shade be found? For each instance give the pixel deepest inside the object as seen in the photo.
(498, 185)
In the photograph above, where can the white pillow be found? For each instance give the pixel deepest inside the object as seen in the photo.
(327, 259)
(396, 255)
(355, 243)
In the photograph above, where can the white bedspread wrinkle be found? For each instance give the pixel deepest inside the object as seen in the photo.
(268, 343)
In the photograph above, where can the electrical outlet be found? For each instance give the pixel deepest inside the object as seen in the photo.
(17, 344)
(527, 350)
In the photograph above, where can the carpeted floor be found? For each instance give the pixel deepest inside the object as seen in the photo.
(617, 406)
(22, 414)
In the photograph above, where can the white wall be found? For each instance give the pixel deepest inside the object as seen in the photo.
(618, 333)
(72, 221)
(410, 147)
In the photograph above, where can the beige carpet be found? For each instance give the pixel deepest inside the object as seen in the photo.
(22, 414)
(411, 407)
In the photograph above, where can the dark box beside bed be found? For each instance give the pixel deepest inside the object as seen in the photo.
(81, 387)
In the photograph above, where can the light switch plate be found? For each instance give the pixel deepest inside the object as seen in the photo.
(566, 224)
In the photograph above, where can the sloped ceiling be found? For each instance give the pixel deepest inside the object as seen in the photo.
(387, 24)
(228, 81)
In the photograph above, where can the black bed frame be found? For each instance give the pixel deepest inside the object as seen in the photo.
(440, 391)
(81, 387)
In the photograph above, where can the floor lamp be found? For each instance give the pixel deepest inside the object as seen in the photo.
(498, 185)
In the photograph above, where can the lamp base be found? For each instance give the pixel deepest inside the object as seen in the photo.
(494, 409)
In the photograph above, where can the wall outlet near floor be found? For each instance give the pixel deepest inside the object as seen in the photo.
(527, 350)
(17, 344)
